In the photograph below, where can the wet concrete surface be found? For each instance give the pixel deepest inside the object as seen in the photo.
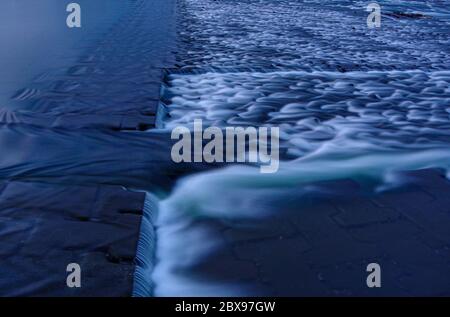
(56, 207)
(76, 160)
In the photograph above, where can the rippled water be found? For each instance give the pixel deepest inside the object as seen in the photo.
(391, 109)
(312, 35)
(75, 99)
(352, 103)
(37, 44)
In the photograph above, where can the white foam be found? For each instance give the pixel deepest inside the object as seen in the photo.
(393, 109)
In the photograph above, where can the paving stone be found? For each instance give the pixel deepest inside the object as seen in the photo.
(360, 212)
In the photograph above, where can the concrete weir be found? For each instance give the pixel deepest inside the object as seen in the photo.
(55, 207)
(92, 202)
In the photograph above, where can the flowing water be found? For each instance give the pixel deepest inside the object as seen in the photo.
(352, 103)
(357, 109)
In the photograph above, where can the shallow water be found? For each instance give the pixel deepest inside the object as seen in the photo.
(36, 41)
(80, 96)
(356, 107)
(353, 104)
(394, 109)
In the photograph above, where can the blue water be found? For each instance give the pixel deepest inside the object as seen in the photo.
(36, 41)
(354, 106)
(352, 103)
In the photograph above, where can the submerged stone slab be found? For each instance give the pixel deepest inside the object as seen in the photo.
(44, 227)
(90, 157)
(82, 214)
(114, 84)
(314, 240)
(73, 121)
